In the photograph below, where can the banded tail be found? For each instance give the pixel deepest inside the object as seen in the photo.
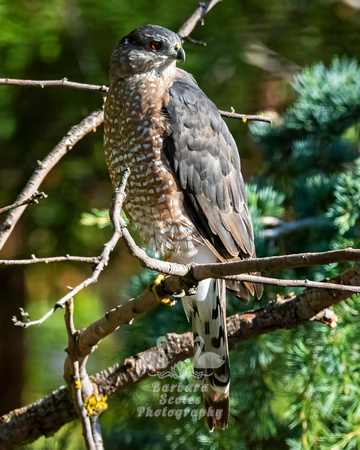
(211, 353)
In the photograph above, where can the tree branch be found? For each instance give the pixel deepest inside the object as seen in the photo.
(44, 83)
(197, 17)
(93, 87)
(49, 414)
(181, 277)
(103, 260)
(192, 274)
(33, 199)
(76, 133)
(203, 271)
(75, 381)
(294, 283)
(34, 260)
(245, 117)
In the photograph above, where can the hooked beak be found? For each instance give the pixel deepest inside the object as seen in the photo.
(181, 55)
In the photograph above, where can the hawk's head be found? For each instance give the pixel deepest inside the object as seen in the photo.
(144, 49)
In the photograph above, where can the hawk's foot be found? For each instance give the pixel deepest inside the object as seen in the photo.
(161, 294)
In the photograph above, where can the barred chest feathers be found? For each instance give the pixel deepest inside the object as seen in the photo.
(134, 129)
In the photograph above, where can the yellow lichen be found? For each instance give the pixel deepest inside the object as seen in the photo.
(96, 404)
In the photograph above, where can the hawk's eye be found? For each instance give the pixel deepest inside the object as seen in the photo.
(156, 45)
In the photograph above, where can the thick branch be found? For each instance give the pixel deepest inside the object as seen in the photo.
(76, 133)
(222, 270)
(44, 83)
(202, 271)
(48, 415)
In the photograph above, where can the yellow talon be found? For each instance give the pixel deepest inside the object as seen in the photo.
(159, 291)
(78, 384)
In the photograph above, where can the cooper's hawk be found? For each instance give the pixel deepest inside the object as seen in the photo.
(185, 193)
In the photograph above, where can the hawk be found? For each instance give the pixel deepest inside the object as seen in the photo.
(185, 194)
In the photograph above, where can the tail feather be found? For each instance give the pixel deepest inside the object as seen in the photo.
(241, 289)
(211, 357)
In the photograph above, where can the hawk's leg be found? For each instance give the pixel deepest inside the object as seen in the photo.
(161, 294)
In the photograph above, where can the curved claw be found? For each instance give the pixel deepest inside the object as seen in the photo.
(160, 293)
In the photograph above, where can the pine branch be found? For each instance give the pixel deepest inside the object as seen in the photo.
(49, 414)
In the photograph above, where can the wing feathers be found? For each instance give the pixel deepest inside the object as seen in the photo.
(204, 158)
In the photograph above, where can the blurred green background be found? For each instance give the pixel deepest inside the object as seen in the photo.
(253, 50)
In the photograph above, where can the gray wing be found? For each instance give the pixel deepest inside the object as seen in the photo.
(204, 158)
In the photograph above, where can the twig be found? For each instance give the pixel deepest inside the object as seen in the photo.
(34, 260)
(95, 87)
(45, 417)
(197, 17)
(294, 283)
(100, 265)
(44, 83)
(75, 384)
(34, 198)
(245, 117)
(76, 133)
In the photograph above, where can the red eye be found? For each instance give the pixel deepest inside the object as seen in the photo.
(155, 45)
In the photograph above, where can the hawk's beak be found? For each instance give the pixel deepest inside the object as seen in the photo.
(181, 54)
